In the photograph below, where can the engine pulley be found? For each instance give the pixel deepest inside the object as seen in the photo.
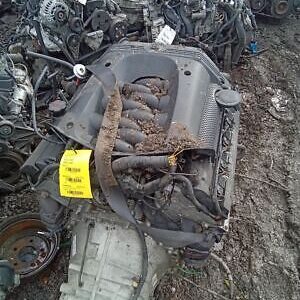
(7, 129)
(117, 30)
(101, 21)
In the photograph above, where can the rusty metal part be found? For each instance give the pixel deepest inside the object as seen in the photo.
(27, 244)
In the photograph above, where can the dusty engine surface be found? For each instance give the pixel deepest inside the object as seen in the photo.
(162, 122)
(16, 133)
(173, 153)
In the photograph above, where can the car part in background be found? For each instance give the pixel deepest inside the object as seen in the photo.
(5, 5)
(83, 31)
(27, 245)
(221, 28)
(165, 149)
(73, 28)
(278, 9)
(16, 134)
(8, 278)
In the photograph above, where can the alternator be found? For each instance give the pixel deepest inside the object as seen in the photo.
(53, 13)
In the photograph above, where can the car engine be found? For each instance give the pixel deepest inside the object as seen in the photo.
(16, 132)
(221, 28)
(81, 30)
(162, 123)
(73, 27)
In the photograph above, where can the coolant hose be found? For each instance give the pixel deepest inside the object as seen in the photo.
(133, 162)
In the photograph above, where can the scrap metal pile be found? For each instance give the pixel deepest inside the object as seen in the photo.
(81, 31)
(112, 125)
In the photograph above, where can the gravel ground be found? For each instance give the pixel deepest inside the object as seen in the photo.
(262, 245)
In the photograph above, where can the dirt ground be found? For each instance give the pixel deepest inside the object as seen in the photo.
(262, 245)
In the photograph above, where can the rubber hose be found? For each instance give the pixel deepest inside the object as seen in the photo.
(228, 10)
(123, 146)
(129, 88)
(190, 194)
(128, 123)
(151, 186)
(132, 104)
(131, 136)
(50, 58)
(150, 99)
(138, 114)
(33, 108)
(133, 162)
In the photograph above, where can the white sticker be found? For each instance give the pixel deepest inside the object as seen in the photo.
(83, 2)
(166, 36)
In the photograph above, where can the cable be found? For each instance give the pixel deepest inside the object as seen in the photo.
(145, 260)
(50, 58)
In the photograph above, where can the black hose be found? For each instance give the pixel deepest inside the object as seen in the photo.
(37, 28)
(190, 194)
(171, 17)
(48, 168)
(146, 188)
(129, 88)
(124, 163)
(33, 108)
(149, 99)
(50, 58)
(131, 136)
(138, 114)
(224, 26)
(227, 24)
(122, 146)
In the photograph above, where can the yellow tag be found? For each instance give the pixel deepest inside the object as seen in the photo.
(74, 175)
